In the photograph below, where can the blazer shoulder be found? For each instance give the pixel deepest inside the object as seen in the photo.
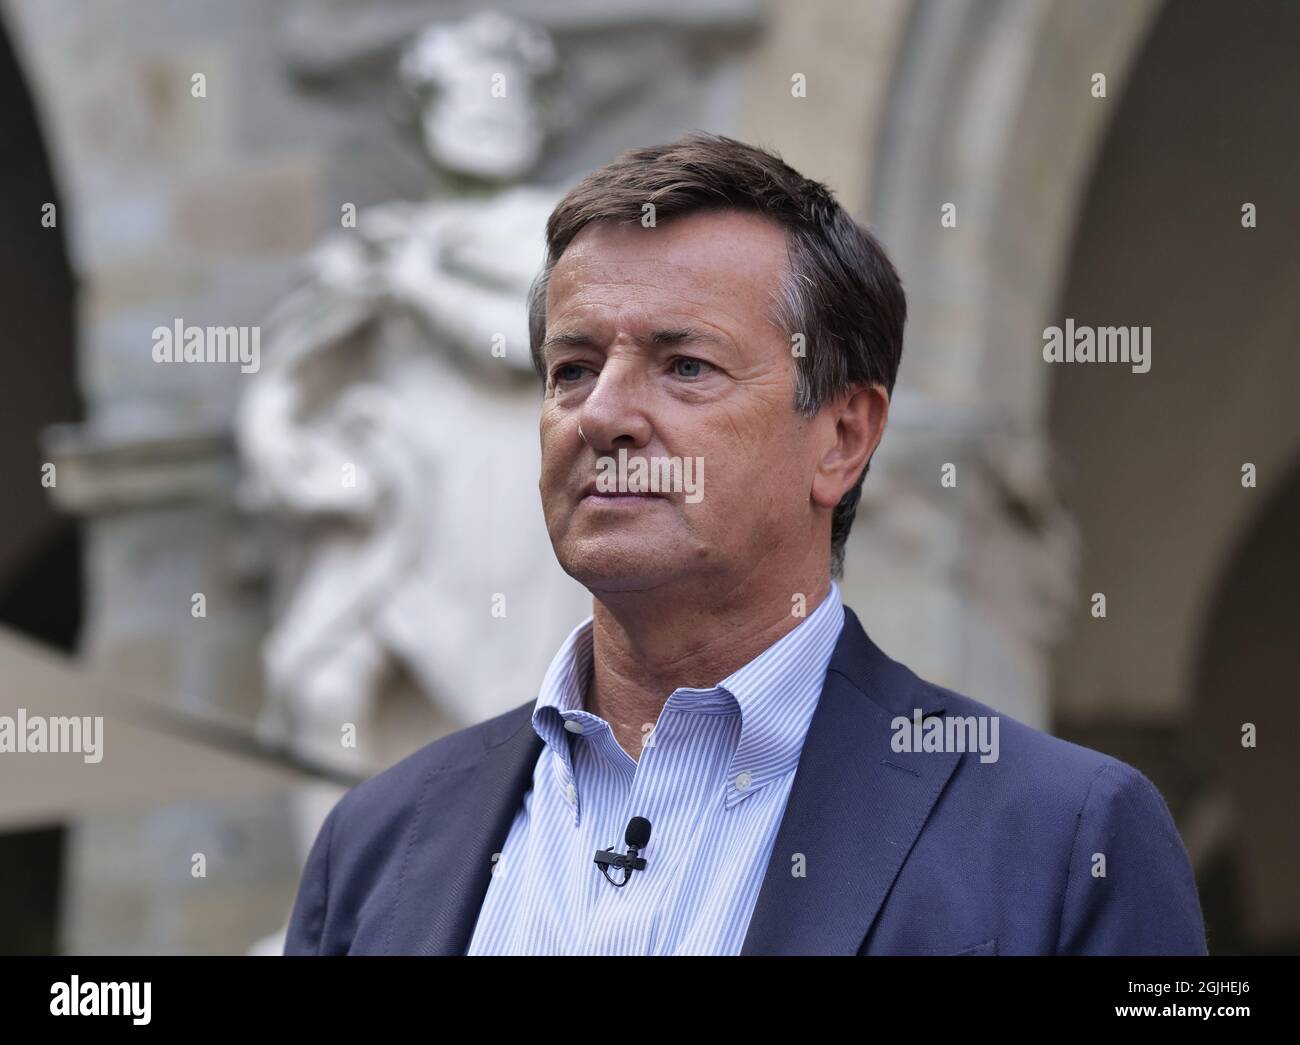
(1043, 763)
(1031, 764)
(1081, 807)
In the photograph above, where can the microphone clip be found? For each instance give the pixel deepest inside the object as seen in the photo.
(636, 839)
(628, 861)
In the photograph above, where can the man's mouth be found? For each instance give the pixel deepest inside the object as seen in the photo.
(590, 493)
(593, 496)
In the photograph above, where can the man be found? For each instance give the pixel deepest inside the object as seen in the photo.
(703, 303)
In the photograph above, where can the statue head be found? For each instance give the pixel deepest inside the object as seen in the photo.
(477, 85)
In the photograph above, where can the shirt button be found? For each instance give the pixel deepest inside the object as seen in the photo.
(571, 793)
(573, 725)
(743, 781)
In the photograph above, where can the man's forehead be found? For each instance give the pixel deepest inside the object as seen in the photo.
(727, 249)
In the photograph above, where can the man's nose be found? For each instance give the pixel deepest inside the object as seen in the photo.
(614, 413)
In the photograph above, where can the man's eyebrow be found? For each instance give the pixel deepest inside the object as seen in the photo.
(567, 337)
(680, 336)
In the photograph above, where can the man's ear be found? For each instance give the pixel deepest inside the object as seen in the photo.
(858, 418)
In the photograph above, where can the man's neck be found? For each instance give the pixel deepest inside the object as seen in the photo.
(646, 645)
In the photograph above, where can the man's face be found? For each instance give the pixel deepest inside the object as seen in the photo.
(660, 341)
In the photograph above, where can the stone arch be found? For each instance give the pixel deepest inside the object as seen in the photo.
(989, 108)
(1199, 568)
(1157, 489)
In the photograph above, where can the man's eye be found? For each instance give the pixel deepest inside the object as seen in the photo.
(566, 372)
(685, 366)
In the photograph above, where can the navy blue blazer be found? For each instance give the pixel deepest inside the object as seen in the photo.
(904, 853)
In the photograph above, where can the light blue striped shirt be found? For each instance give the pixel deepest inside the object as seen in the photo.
(712, 779)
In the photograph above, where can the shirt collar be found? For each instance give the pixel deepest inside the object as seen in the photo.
(777, 693)
(560, 704)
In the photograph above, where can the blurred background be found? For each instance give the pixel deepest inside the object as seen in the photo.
(227, 563)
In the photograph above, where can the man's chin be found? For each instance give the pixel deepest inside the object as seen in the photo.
(621, 569)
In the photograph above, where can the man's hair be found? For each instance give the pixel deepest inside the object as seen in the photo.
(839, 291)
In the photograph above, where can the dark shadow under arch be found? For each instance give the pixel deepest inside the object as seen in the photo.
(1248, 671)
(40, 553)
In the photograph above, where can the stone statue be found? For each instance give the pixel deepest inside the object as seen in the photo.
(392, 432)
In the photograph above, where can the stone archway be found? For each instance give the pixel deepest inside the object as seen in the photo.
(990, 109)
(1157, 487)
(1189, 557)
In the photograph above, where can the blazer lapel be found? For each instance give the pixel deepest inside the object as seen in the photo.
(464, 818)
(855, 808)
